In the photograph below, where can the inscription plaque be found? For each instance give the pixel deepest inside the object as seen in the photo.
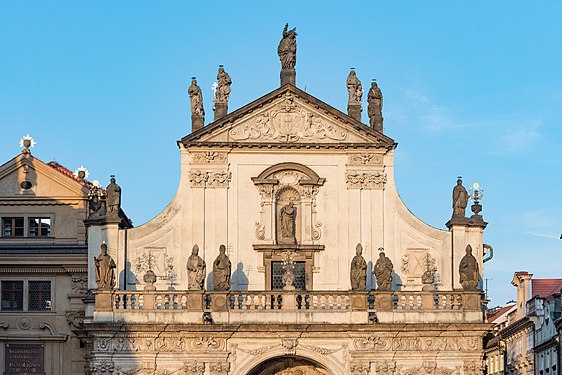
(25, 359)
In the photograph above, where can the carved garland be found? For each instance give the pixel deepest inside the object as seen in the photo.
(365, 180)
(382, 343)
(212, 179)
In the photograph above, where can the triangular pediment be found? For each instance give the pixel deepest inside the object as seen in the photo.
(44, 180)
(288, 116)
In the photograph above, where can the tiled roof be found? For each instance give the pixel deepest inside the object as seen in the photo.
(499, 312)
(68, 173)
(545, 288)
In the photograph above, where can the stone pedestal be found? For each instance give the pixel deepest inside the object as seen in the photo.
(288, 76)
(103, 300)
(221, 108)
(359, 301)
(219, 301)
(354, 111)
(383, 301)
(197, 122)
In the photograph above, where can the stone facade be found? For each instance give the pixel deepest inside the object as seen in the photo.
(237, 174)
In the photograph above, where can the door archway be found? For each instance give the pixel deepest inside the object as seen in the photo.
(289, 365)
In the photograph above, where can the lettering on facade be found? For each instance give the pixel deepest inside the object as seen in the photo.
(24, 359)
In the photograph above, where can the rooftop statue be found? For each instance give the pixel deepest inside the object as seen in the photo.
(196, 98)
(460, 199)
(358, 272)
(223, 89)
(287, 49)
(113, 200)
(354, 88)
(468, 270)
(374, 108)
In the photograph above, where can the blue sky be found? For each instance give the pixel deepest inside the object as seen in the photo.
(471, 89)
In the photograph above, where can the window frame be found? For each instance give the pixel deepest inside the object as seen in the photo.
(13, 226)
(26, 294)
(39, 227)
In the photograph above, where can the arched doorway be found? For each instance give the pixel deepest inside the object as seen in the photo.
(289, 365)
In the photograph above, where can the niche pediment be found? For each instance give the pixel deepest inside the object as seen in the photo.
(288, 116)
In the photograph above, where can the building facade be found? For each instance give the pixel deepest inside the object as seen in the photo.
(327, 271)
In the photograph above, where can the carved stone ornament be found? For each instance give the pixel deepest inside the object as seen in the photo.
(219, 368)
(468, 270)
(212, 179)
(382, 343)
(79, 282)
(75, 319)
(429, 368)
(288, 123)
(290, 346)
(365, 180)
(385, 367)
(365, 158)
(193, 368)
(209, 157)
(24, 323)
(102, 367)
(473, 368)
(359, 368)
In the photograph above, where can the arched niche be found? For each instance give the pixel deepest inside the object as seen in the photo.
(280, 184)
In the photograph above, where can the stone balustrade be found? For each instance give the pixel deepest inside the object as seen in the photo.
(295, 306)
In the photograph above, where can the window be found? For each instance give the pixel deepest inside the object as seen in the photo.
(278, 271)
(12, 295)
(27, 226)
(26, 295)
(39, 227)
(12, 227)
(39, 296)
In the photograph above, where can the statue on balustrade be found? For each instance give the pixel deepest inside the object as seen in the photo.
(105, 269)
(287, 217)
(468, 269)
(383, 273)
(358, 272)
(196, 270)
(460, 199)
(221, 270)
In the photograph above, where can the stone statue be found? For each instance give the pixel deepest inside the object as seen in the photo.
(383, 273)
(287, 217)
(196, 97)
(196, 270)
(113, 200)
(223, 89)
(354, 88)
(358, 272)
(468, 269)
(460, 199)
(105, 269)
(221, 270)
(287, 49)
(374, 108)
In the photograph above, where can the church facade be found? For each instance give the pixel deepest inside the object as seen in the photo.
(287, 250)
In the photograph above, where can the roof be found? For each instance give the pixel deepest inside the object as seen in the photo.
(499, 312)
(68, 173)
(546, 288)
(377, 138)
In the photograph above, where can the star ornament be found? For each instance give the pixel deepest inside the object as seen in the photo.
(27, 141)
(84, 173)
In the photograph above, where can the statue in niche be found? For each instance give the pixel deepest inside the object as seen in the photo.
(196, 98)
(468, 269)
(287, 49)
(196, 270)
(221, 270)
(113, 201)
(358, 272)
(383, 273)
(460, 199)
(374, 100)
(287, 216)
(223, 89)
(354, 88)
(105, 269)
